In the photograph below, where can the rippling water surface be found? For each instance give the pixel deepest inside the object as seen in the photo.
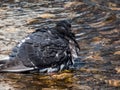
(97, 28)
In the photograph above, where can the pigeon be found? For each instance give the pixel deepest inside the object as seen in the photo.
(44, 50)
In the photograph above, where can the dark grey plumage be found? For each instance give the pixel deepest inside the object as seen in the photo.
(45, 49)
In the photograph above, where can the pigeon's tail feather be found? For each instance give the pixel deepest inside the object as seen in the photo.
(13, 66)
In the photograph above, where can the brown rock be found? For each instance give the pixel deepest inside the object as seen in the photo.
(117, 53)
(74, 3)
(62, 76)
(113, 82)
(117, 69)
(47, 15)
(32, 21)
(80, 87)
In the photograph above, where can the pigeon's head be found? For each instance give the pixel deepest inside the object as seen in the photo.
(63, 27)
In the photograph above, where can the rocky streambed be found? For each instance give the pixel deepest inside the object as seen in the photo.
(97, 28)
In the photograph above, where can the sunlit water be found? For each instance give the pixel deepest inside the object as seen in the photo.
(97, 29)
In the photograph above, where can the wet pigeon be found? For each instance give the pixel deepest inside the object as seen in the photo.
(45, 50)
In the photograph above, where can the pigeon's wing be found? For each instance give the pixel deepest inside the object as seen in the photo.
(14, 66)
(18, 60)
(39, 50)
(43, 49)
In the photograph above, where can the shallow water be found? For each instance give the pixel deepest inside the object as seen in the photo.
(97, 29)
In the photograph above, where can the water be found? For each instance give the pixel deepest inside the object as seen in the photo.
(97, 28)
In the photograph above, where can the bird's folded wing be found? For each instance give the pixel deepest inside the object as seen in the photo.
(14, 66)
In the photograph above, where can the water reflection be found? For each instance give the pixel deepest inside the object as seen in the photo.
(38, 81)
(97, 31)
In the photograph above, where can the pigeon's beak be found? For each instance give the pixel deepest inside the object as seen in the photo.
(72, 37)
